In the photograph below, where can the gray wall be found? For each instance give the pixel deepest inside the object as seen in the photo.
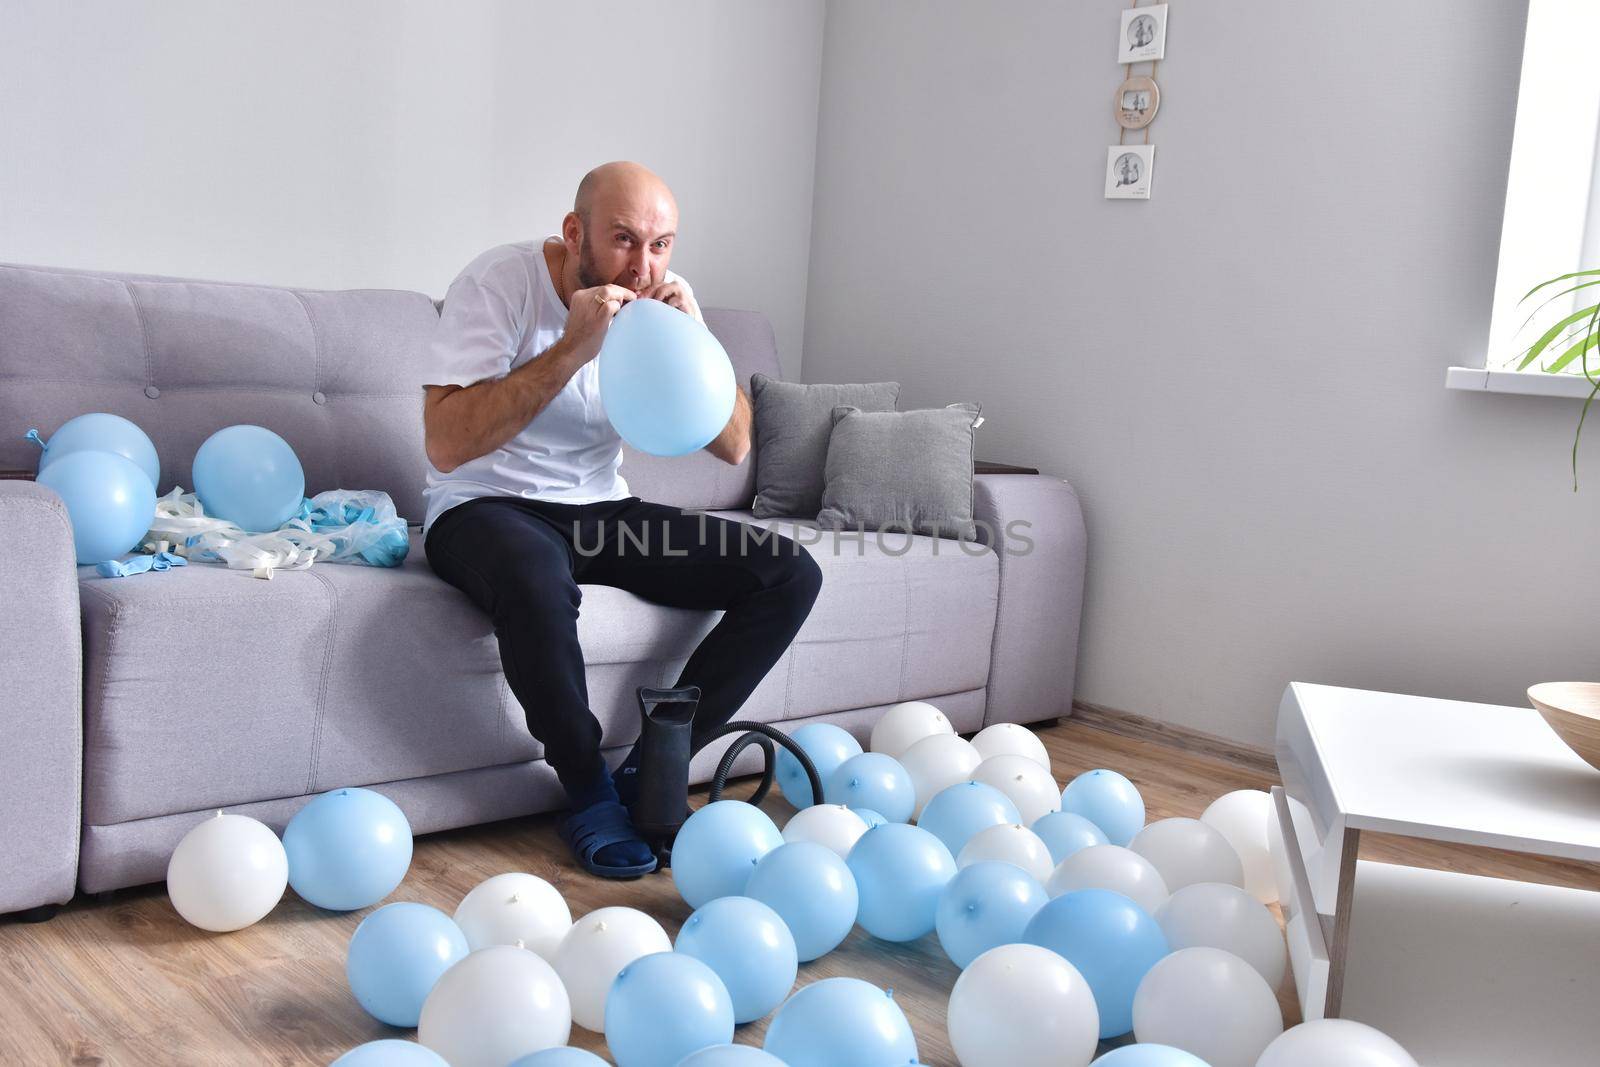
(385, 143)
(1244, 375)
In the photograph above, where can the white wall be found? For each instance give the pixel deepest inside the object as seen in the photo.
(1243, 376)
(383, 143)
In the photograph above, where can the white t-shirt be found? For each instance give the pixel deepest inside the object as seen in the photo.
(500, 312)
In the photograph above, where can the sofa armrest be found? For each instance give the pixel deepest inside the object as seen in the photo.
(1036, 527)
(41, 699)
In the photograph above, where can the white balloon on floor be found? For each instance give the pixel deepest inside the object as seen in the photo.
(1030, 786)
(1210, 1003)
(1011, 739)
(1214, 915)
(937, 762)
(1110, 867)
(1008, 843)
(1022, 1006)
(228, 872)
(514, 907)
(833, 826)
(496, 1005)
(1335, 1043)
(597, 947)
(906, 723)
(1242, 817)
(1187, 851)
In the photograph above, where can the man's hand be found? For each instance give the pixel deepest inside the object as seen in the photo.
(589, 317)
(675, 294)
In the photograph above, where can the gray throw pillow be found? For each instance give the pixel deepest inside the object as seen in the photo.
(911, 470)
(792, 425)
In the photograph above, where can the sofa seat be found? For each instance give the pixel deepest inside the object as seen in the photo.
(198, 693)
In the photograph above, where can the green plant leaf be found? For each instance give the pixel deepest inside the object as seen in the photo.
(1550, 335)
(1564, 277)
(1563, 360)
(1532, 314)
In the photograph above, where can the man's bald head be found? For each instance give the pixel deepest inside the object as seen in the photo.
(621, 227)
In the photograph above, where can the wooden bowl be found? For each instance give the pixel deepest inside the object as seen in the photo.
(1573, 711)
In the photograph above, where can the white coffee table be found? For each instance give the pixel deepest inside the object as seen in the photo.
(1461, 969)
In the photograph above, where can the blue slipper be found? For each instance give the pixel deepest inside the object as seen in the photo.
(588, 831)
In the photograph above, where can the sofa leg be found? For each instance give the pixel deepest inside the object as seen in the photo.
(43, 913)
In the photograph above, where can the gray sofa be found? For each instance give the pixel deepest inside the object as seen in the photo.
(131, 707)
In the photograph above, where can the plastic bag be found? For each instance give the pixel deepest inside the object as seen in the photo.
(338, 526)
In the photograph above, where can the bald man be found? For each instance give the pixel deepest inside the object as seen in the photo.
(526, 499)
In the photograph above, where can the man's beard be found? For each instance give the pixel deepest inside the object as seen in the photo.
(588, 274)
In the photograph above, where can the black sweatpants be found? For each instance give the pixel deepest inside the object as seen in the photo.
(521, 561)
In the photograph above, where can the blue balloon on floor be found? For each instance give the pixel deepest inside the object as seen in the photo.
(957, 812)
(396, 955)
(1064, 833)
(1149, 1056)
(665, 381)
(1108, 800)
(1111, 940)
(109, 500)
(827, 746)
(101, 431)
(987, 904)
(249, 476)
(347, 849)
(718, 847)
(664, 1006)
(731, 1056)
(749, 947)
(873, 781)
(812, 891)
(565, 1056)
(841, 1022)
(901, 871)
(870, 817)
(390, 1052)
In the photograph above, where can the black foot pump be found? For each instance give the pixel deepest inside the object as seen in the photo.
(666, 721)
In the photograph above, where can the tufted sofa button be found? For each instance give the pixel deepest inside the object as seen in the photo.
(318, 398)
(152, 392)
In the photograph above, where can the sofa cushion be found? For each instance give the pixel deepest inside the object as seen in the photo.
(208, 688)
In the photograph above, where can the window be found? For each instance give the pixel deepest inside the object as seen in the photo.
(1552, 216)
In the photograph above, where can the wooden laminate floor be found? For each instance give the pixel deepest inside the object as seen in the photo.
(126, 982)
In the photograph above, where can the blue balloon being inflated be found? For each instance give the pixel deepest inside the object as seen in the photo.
(390, 1052)
(731, 1056)
(901, 871)
(813, 892)
(1149, 1056)
(987, 904)
(664, 1006)
(959, 811)
(396, 955)
(873, 781)
(249, 476)
(1108, 800)
(347, 849)
(564, 1056)
(665, 380)
(100, 431)
(826, 745)
(751, 949)
(841, 1022)
(1111, 940)
(109, 500)
(718, 847)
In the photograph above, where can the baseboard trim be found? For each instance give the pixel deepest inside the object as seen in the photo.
(1126, 723)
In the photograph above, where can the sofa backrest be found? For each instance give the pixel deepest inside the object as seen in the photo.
(337, 373)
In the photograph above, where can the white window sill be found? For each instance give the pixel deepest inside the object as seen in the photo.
(1526, 383)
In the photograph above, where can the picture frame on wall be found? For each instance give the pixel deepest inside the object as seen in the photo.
(1144, 34)
(1128, 171)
